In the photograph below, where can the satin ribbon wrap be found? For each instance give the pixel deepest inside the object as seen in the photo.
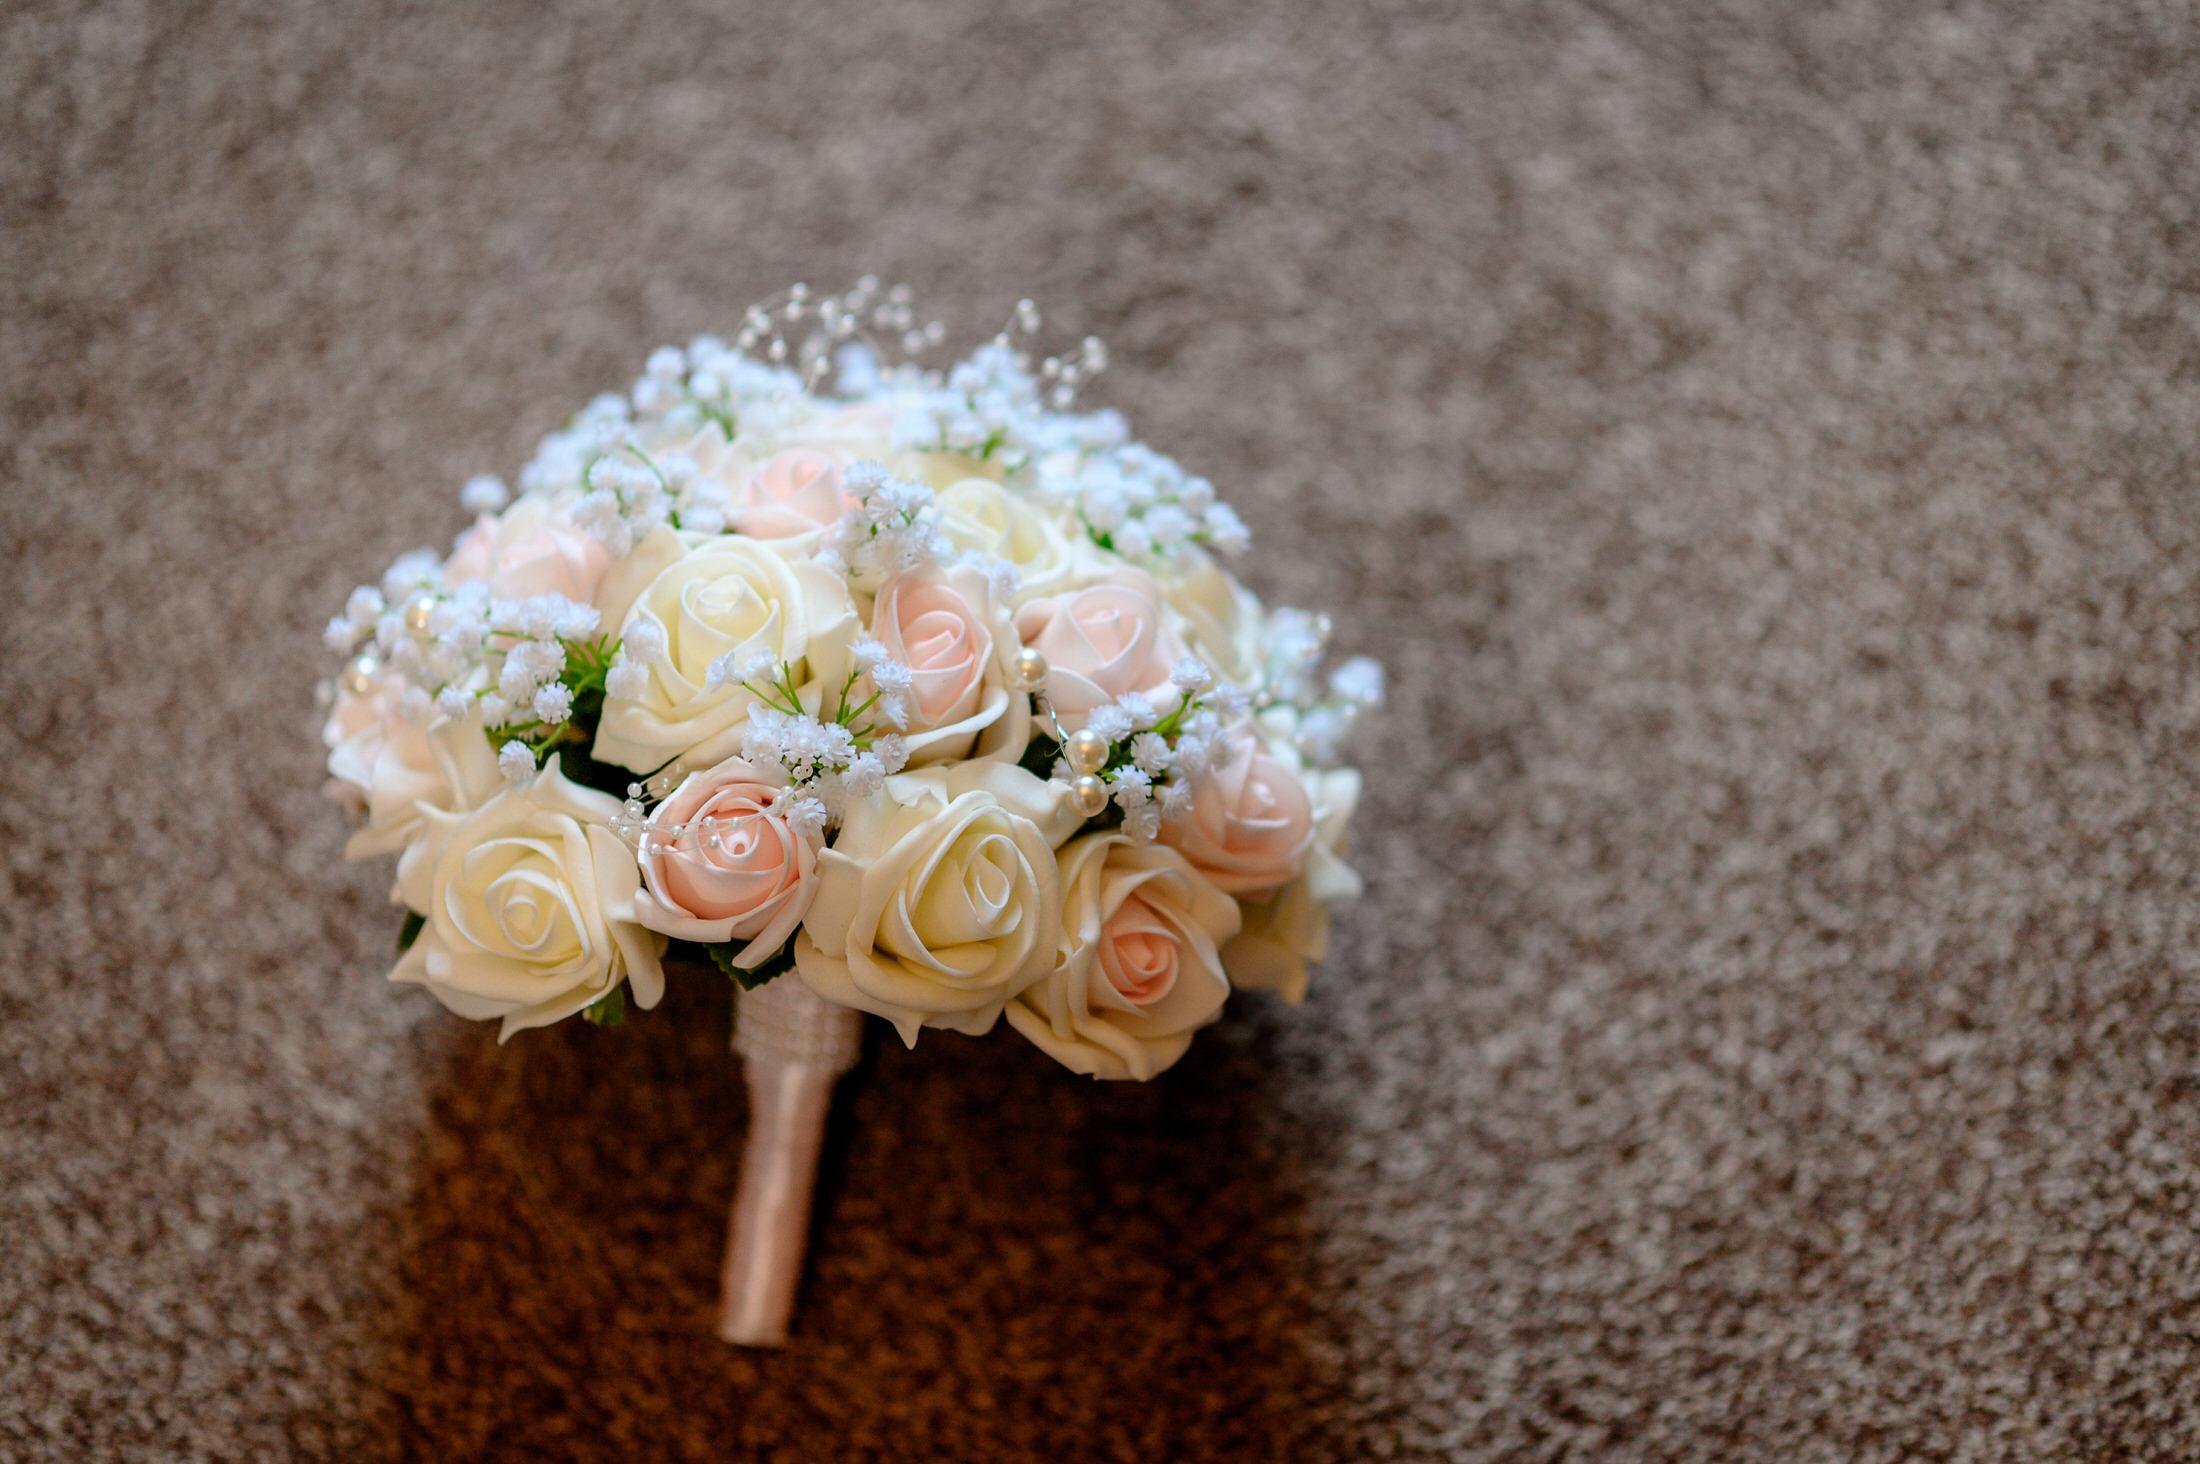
(794, 1045)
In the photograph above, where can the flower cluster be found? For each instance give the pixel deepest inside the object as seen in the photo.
(1141, 505)
(1145, 762)
(886, 528)
(922, 690)
(833, 757)
(521, 667)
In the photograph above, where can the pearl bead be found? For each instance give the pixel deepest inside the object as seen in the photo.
(417, 613)
(359, 675)
(1089, 795)
(1031, 669)
(1086, 750)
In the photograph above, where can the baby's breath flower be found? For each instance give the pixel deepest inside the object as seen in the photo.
(553, 703)
(484, 493)
(1151, 752)
(892, 678)
(1358, 680)
(364, 605)
(418, 570)
(865, 776)
(807, 816)
(1191, 676)
(516, 763)
(1110, 722)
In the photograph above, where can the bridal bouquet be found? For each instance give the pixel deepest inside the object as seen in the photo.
(916, 694)
(916, 688)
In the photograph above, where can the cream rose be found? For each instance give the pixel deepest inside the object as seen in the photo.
(945, 626)
(529, 907)
(400, 768)
(1249, 824)
(1138, 967)
(939, 900)
(1101, 642)
(1286, 931)
(979, 514)
(1219, 619)
(726, 594)
(531, 549)
(719, 862)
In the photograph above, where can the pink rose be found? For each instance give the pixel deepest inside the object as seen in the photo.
(719, 863)
(388, 767)
(1137, 951)
(361, 731)
(791, 493)
(1138, 965)
(1101, 642)
(946, 627)
(933, 631)
(1250, 823)
(528, 551)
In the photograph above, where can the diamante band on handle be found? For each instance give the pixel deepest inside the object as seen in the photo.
(784, 1021)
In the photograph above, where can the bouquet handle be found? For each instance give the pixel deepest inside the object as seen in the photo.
(794, 1045)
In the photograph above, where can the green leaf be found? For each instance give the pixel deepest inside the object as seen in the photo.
(609, 1010)
(1039, 755)
(776, 965)
(414, 924)
(579, 767)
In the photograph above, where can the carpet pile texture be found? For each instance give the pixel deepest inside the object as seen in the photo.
(1758, 438)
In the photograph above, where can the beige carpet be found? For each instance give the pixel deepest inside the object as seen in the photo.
(1760, 439)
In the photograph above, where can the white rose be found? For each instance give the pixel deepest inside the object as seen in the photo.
(979, 514)
(725, 594)
(1219, 619)
(715, 457)
(529, 904)
(401, 768)
(939, 900)
(1289, 930)
(1138, 968)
